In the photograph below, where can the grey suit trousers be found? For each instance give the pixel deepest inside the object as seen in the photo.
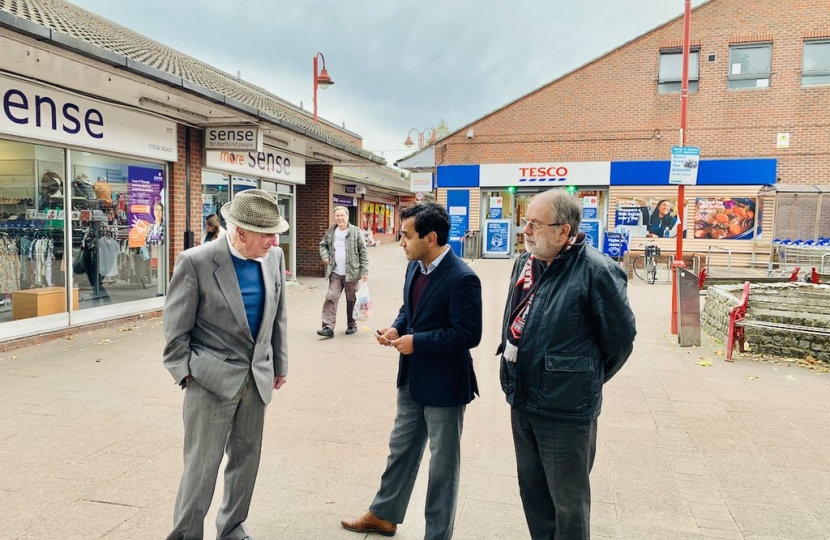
(414, 425)
(213, 427)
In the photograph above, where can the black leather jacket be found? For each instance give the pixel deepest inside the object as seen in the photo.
(579, 332)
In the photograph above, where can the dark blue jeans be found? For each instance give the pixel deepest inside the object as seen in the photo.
(554, 459)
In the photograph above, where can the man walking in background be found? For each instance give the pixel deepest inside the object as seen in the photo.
(438, 324)
(344, 252)
(226, 327)
(567, 330)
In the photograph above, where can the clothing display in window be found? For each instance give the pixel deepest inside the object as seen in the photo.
(102, 188)
(9, 265)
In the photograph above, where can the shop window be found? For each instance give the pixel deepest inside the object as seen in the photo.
(32, 251)
(118, 228)
(750, 66)
(815, 69)
(285, 199)
(215, 193)
(670, 71)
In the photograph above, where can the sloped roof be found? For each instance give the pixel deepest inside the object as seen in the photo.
(381, 177)
(75, 22)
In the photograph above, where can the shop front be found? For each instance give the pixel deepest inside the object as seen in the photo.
(226, 173)
(723, 219)
(82, 209)
(503, 192)
(349, 196)
(379, 215)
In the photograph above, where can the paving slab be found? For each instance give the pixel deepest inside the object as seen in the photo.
(91, 434)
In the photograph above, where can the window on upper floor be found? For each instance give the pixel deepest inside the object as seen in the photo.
(815, 67)
(750, 66)
(670, 71)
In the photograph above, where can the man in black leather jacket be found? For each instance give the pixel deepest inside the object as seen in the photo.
(568, 328)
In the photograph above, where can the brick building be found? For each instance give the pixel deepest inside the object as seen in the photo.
(113, 150)
(758, 109)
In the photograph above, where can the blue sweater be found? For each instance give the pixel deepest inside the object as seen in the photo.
(249, 275)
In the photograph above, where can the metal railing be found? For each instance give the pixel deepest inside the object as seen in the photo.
(470, 245)
(728, 260)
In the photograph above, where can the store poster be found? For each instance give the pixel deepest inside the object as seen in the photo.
(654, 217)
(725, 218)
(145, 206)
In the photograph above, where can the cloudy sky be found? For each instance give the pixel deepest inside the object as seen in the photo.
(396, 65)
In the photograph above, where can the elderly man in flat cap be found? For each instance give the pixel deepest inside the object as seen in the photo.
(225, 325)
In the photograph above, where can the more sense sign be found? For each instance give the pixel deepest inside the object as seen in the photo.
(39, 112)
(271, 163)
(583, 173)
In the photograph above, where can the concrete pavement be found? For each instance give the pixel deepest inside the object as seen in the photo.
(90, 435)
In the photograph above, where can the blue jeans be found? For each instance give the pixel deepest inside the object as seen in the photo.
(414, 425)
(554, 460)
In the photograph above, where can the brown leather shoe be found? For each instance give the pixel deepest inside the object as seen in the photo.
(370, 523)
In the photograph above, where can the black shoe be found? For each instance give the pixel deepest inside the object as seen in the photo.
(351, 330)
(325, 332)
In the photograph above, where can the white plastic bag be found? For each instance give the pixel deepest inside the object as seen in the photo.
(363, 304)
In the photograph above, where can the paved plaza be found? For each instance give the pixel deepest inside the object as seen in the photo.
(91, 435)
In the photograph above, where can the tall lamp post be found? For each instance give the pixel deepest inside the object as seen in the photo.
(432, 138)
(681, 189)
(321, 79)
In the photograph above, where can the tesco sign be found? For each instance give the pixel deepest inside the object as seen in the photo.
(585, 173)
(42, 113)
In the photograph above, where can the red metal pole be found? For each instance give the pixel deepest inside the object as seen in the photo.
(681, 189)
(315, 87)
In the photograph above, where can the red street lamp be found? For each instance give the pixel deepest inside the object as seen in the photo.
(432, 138)
(681, 189)
(321, 79)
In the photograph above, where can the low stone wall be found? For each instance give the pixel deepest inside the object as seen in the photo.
(785, 303)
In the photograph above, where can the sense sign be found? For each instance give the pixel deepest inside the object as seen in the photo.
(233, 138)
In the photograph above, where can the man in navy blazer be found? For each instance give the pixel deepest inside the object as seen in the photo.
(438, 324)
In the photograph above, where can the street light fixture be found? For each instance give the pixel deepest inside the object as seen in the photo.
(321, 79)
(432, 138)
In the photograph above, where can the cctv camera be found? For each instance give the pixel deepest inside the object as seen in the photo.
(470, 134)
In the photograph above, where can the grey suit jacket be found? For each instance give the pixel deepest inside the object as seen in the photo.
(206, 328)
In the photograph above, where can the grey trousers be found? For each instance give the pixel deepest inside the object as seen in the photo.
(336, 285)
(213, 427)
(554, 459)
(414, 425)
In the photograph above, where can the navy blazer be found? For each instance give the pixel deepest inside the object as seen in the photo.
(445, 326)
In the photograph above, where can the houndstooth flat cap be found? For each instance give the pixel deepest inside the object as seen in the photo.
(255, 210)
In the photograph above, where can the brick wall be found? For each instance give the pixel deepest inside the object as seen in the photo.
(610, 109)
(314, 207)
(176, 194)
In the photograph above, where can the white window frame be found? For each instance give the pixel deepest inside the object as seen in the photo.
(673, 84)
(737, 81)
(820, 76)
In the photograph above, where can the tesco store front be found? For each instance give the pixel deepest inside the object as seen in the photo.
(82, 209)
(226, 173)
(498, 196)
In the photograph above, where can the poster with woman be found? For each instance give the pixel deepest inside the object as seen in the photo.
(145, 210)
(655, 217)
(725, 218)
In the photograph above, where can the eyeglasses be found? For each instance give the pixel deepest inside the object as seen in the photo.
(535, 225)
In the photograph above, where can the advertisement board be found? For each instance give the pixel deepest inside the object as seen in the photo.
(593, 232)
(725, 218)
(497, 240)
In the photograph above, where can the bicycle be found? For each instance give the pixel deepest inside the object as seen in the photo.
(649, 265)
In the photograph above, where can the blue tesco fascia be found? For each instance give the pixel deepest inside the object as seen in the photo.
(712, 172)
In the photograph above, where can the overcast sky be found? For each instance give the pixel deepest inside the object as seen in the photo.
(396, 65)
